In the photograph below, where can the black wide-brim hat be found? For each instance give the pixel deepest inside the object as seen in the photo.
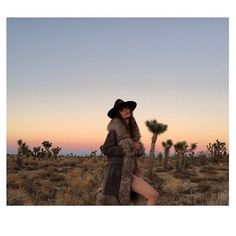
(119, 103)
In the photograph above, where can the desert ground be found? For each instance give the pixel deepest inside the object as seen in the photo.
(75, 181)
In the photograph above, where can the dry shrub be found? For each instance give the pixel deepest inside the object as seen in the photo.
(217, 178)
(74, 181)
(41, 192)
(204, 187)
(17, 197)
(14, 182)
(57, 178)
(208, 169)
(78, 191)
(196, 179)
(45, 174)
(185, 174)
(31, 165)
(72, 162)
(221, 198)
(169, 198)
(187, 191)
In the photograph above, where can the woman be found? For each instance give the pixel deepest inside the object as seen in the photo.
(122, 148)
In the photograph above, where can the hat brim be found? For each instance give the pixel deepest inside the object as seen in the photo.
(131, 104)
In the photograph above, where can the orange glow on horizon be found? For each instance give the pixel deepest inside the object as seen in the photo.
(80, 144)
(82, 133)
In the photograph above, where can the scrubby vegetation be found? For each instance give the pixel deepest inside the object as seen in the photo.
(43, 177)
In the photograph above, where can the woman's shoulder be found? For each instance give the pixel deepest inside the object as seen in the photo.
(114, 124)
(119, 128)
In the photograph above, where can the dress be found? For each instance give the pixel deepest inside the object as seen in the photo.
(121, 164)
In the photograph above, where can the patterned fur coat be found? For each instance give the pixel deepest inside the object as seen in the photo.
(122, 164)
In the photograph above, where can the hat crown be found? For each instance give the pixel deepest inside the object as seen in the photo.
(118, 102)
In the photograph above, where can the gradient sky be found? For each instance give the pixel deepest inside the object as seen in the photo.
(63, 75)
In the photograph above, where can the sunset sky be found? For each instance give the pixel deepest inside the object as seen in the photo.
(63, 76)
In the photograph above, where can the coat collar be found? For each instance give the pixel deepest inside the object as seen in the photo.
(121, 130)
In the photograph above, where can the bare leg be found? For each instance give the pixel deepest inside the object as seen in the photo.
(141, 187)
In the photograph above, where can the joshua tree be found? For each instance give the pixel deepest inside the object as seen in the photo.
(181, 149)
(160, 157)
(191, 150)
(25, 151)
(167, 145)
(156, 129)
(19, 142)
(217, 151)
(55, 151)
(93, 153)
(42, 154)
(36, 151)
(30, 153)
(19, 153)
(47, 145)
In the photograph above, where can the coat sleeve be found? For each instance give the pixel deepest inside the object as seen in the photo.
(110, 147)
(141, 152)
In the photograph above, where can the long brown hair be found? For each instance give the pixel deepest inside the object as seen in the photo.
(131, 127)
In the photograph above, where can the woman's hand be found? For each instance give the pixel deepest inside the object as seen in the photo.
(139, 149)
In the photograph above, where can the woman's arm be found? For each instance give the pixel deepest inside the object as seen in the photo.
(110, 147)
(139, 147)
